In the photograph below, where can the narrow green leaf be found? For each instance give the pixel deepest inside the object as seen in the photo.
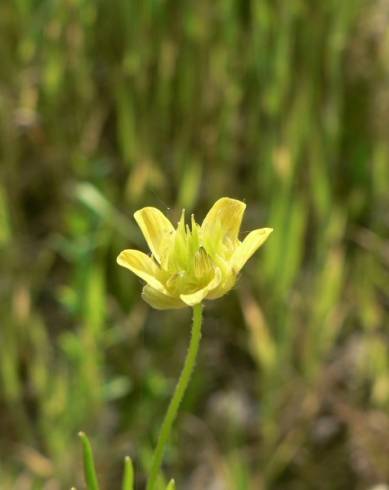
(171, 485)
(128, 477)
(89, 465)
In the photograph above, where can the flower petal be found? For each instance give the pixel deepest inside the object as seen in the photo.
(159, 300)
(226, 284)
(141, 265)
(248, 247)
(197, 297)
(225, 218)
(156, 229)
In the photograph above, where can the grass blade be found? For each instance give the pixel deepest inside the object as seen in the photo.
(128, 477)
(89, 465)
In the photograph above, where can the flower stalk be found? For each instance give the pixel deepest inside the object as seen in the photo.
(179, 392)
(188, 265)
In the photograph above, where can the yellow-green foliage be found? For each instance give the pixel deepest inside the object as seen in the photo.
(109, 106)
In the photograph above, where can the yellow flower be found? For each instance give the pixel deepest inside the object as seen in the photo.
(191, 263)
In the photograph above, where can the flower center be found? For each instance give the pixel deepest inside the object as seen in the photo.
(187, 264)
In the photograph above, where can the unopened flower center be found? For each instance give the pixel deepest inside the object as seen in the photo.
(186, 262)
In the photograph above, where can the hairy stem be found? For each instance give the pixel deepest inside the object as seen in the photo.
(179, 392)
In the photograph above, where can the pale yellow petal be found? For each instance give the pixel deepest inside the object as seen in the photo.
(156, 229)
(141, 265)
(202, 265)
(161, 301)
(197, 296)
(248, 247)
(224, 287)
(224, 218)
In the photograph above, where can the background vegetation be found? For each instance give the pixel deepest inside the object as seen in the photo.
(109, 106)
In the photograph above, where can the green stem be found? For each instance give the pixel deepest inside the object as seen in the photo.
(178, 395)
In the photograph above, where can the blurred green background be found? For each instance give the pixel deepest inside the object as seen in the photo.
(109, 106)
